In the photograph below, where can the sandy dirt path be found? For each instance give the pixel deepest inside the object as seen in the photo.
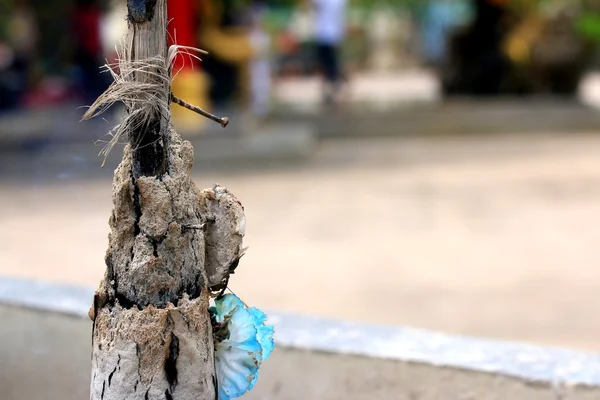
(491, 236)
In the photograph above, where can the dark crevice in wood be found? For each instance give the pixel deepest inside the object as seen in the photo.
(171, 362)
(154, 247)
(118, 296)
(111, 375)
(137, 207)
(194, 290)
(149, 153)
(150, 6)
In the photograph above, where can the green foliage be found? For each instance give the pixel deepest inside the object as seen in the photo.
(4, 14)
(588, 26)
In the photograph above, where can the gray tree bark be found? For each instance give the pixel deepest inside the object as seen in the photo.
(170, 246)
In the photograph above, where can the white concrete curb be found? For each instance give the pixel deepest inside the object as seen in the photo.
(529, 362)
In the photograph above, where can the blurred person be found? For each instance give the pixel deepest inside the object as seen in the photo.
(287, 50)
(88, 49)
(18, 53)
(225, 34)
(330, 32)
(260, 65)
(301, 26)
(440, 17)
(385, 31)
(9, 94)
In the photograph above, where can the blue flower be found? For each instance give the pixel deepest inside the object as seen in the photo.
(242, 343)
(265, 332)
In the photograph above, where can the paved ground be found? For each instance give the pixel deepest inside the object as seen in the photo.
(493, 236)
(37, 345)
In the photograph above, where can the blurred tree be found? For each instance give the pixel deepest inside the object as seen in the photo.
(521, 46)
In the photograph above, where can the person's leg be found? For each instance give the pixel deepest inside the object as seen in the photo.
(320, 59)
(224, 81)
(335, 75)
(326, 58)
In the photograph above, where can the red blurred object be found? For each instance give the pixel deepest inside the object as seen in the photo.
(183, 26)
(50, 92)
(86, 20)
(287, 43)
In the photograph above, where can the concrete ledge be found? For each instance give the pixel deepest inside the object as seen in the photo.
(65, 149)
(273, 142)
(453, 117)
(315, 358)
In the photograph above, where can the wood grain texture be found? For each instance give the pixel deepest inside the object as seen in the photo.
(152, 336)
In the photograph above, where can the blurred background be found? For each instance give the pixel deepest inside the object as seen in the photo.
(425, 163)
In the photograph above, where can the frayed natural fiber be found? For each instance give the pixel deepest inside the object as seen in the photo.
(144, 87)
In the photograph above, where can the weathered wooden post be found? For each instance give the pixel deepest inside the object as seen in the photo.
(170, 245)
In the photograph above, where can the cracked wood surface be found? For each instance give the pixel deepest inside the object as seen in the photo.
(170, 246)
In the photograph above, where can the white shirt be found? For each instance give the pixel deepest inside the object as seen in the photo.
(330, 20)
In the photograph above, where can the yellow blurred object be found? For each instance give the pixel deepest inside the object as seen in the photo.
(231, 45)
(520, 40)
(192, 87)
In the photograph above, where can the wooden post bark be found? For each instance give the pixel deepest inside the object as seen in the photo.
(170, 244)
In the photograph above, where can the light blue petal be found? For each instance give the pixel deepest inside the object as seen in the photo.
(253, 381)
(241, 327)
(258, 317)
(264, 332)
(249, 343)
(237, 366)
(265, 338)
(222, 394)
(226, 306)
(230, 302)
(238, 357)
